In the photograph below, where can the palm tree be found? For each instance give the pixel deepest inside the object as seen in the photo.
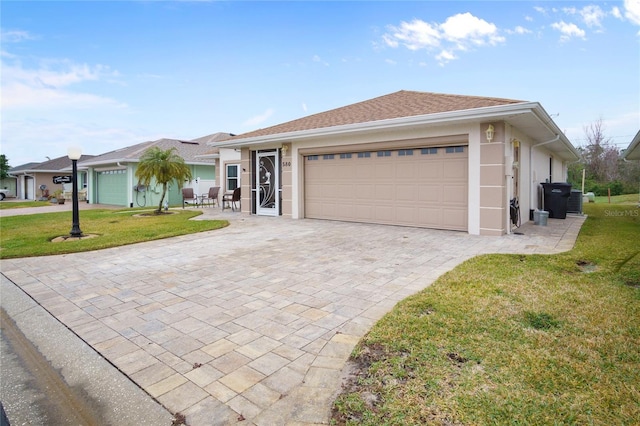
(163, 166)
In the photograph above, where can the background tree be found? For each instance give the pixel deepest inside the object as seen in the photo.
(605, 170)
(4, 166)
(163, 166)
(601, 157)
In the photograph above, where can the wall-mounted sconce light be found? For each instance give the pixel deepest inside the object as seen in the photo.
(490, 132)
(516, 143)
(284, 149)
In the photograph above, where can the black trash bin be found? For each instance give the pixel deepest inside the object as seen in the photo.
(556, 199)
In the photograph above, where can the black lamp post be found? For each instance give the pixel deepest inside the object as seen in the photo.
(74, 155)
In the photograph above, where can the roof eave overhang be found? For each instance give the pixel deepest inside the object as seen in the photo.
(632, 153)
(485, 114)
(212, 156)
(123, 162)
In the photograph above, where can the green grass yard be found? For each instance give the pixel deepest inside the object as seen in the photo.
(31, 235)
(513, 339)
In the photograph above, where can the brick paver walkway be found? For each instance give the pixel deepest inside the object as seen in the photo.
(252, 323)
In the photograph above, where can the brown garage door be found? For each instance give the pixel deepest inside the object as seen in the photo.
(424, 187)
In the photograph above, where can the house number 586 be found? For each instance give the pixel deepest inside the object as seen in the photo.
(286, 164)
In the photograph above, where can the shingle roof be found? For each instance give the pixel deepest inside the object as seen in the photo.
(57, 164)
(23, 167)
(216, 137)
(189, 150)
(395, 105)
(60, 163)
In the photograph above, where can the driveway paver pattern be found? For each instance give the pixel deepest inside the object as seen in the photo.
(253, 323)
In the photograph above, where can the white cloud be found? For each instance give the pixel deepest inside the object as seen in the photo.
(15, 36)
(464, 28)
(459, 32)
(49, 85)
(445, 56)
(304, 107)
(632, 11)
(519, 30)
(260, 118)
(615, 12)
(414, 35)
(593, 15)
(540, 10)
(568, 31)
(26, 140)
(390, 61)
(319, 60)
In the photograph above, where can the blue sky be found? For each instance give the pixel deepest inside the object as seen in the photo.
(104, 75)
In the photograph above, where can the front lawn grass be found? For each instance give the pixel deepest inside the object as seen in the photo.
(513, 339)
(619, 199)
(6, 205)
(31, 235)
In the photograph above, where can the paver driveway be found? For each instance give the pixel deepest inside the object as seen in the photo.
(252, 323)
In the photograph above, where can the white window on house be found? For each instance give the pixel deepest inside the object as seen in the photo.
(233, 177)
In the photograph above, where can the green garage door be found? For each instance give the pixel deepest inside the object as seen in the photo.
(112, 187)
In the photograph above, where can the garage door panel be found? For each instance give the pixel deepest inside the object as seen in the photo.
(431, 217)
(112, 187)
(406, 192)
(364, 169)
(406, 215)
(406, 170)
(456, 194)
(416, 190)
(430, 194)
(456, 169)
(454, 218)
(344, 171)
(384, 214)
(384, 191)
(430, 170)
(385, 170)
(364, 191)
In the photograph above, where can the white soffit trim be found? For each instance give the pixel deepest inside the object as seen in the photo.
(633, 150)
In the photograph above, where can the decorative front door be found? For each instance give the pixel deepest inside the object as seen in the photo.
(267, 183)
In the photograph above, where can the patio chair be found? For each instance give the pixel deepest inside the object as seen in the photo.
(188, 197)
(232, 199)
(212, 197)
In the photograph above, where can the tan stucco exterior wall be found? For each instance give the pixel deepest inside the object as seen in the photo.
(493, 208)
(286, 180)
(245, 180)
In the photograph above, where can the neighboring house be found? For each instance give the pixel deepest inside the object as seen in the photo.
(112, 180)
(407, 158)
(12, 183)
(227, 161)
(37, 180)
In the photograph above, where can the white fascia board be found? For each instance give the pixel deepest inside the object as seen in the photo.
(196, 163)
(106, 162)
(476, 114)
(633, 150)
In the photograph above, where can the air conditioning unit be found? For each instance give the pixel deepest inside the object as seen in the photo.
(574, 204)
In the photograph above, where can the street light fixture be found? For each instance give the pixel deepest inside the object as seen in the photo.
(74, 155)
